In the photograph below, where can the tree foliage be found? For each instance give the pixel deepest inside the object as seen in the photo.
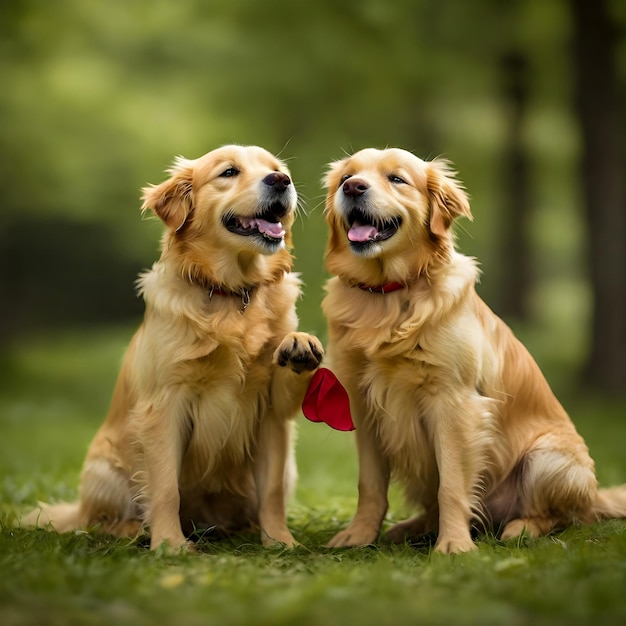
(98, 98)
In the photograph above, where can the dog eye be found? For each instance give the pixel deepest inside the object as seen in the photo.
(344, 178)
(396, 179)
(231, 171)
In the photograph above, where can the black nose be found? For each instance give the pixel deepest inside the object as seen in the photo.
(278, 180)
(355, 187)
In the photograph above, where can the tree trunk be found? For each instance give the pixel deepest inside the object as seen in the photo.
(602, 163)
(515, 282)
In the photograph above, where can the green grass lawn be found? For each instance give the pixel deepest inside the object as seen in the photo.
(54, 395)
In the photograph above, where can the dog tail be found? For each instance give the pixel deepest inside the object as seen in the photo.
(62, 517)
(610, 503)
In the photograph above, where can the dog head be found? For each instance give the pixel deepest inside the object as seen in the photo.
(390, 214)
(234, 204)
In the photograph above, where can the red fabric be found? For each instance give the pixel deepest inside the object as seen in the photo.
(327, 401)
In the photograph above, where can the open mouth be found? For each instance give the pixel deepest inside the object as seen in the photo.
(266, 224)
(365, 230)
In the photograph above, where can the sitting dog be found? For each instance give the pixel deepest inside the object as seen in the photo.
(443, 396)
(199, 432)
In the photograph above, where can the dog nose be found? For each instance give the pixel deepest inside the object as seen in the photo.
(355, 187)
(278, 180)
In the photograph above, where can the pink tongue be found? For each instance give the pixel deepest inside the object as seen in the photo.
(362, 232)
(271, 229)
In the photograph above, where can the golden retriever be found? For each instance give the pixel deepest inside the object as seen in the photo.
(444, 397)
(199, 432)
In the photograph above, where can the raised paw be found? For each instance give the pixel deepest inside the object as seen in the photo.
(300, 351)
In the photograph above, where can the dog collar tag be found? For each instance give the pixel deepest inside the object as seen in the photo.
(327, 401)
(244, 294)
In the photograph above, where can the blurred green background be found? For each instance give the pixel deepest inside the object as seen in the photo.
(526, 97)
(98, 97)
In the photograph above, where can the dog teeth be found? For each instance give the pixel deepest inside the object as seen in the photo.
(247, 223)
(271, 230)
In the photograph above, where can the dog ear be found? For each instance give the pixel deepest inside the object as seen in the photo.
(447, 197)
(171, 200)
(330, 177)
(330, 181)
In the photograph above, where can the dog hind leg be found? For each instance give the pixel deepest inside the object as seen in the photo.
(557, 488)
(105, 504)
(106, 500)
(414, 527)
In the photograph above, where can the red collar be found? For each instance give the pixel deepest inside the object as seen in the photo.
(386, 288)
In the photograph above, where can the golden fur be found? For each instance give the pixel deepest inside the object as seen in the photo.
(198, 434)
(443, 396)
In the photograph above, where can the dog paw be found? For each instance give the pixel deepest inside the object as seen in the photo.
(299, 351)
(455, 545)
(165, 548)
(171, 545)
(282, 538)
(408, 529)
(528, 527)
(353, 537)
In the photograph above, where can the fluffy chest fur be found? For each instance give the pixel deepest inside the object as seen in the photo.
(409, 360)
(205, 363)
(395, 392)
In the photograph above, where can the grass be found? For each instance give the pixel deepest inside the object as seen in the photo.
(55, 392)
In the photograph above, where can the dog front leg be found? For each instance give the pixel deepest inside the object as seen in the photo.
(274, 472)
(294, 361)
(457, 476)
(162, 455)
(373, 486)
